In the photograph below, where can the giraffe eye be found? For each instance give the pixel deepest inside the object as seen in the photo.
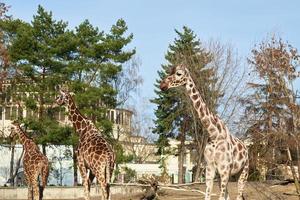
(178, 73)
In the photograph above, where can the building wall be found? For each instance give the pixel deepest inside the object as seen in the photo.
(55, 156)
(121, 119)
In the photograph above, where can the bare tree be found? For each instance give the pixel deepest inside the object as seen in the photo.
(140, 141)
(60, 158)
(128, 81)
(272, 109)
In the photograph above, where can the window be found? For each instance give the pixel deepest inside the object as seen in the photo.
(1, 113)
(28, 113)
(13, 113)
(121, 118)
(7, 113)
(118, 117)
(112, 116)
(7, 97)
(20, 112)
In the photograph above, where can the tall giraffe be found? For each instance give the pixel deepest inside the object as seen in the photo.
(34, 162)
(94, 152)
(224, 152)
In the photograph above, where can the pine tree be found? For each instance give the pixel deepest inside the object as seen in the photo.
(39, 51)
(175, 117)
(93, 69)
(47, 54)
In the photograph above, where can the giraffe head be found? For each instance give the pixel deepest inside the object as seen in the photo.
(176, 77)
(13, 131)
(63, 97)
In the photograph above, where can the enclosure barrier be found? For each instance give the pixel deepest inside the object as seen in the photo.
(53, 192)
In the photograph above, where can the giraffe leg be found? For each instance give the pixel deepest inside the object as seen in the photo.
(35, 187)
(91, 179)
(85, 178)
(29, 195)
(101, 178)
(44, 179)
(224, 172)
(242, 180)
(210, 173)
(30, 191)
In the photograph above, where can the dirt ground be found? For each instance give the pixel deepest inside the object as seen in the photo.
(254, 191)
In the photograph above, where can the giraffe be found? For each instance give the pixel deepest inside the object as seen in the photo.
(96, 157)
(223, 153)
(34, 162)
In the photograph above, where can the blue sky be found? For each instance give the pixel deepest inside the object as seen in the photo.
(241, 23)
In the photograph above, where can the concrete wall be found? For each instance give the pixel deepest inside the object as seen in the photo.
(10, 193)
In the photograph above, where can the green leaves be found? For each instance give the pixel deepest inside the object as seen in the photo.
(174, 111)
(46, 53)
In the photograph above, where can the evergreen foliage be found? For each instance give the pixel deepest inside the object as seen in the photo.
(45, 54)
(174, 113)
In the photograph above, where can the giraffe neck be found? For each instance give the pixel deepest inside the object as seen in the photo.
(22, 136)
(80, 123)
(210, 121)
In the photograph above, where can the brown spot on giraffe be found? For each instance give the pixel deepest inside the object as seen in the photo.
(231, 139)
(211, 129)
(206, 110)
(212, 119)
(206, 122)
(94, 152)
(235, 151)
(219, 127)
(222, 149)
(197, 104)
(202, 111)
(240, 147)
(240, 156)
(195, 97)
(35, 164)
(221, 133)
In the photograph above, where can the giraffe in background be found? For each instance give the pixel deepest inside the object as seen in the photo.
(34, 162)
(94, 152)
(224, 152)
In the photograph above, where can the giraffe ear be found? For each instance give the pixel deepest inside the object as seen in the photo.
(72, 93)
(22, 125)
(15, 122)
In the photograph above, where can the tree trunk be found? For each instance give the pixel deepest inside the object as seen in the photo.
(198, 170)
(298, 159)
(75, 172)
(60, 173)
(296, 181)
(11, 170)
(181, 153)
(17, 167)
(44, 149)
(201, 141)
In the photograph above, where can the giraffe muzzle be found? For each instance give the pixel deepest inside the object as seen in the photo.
(163, 85)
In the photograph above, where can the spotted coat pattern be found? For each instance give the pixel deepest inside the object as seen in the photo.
(96, 157)
(223, 153)
(34, 162)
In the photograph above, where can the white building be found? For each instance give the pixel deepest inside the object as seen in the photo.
(143, 151)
